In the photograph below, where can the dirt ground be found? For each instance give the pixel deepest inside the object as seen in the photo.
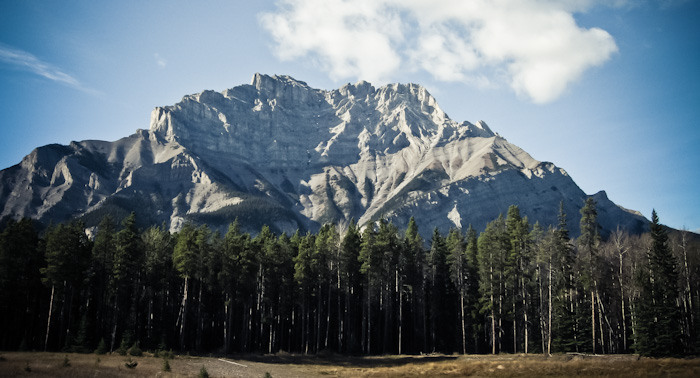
(39, 364)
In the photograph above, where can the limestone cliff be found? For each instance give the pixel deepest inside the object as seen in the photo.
(281, 153)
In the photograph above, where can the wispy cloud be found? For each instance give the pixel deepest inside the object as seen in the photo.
(160, 61)
(23, 60)
(534, 46)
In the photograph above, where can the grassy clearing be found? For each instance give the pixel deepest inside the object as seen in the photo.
(38, 364)
(521, 366)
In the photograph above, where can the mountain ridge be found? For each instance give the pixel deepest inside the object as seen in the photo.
(279, 152)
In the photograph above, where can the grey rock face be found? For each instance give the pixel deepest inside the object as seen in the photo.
(278, 152)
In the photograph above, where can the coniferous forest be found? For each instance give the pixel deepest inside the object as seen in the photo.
(515, 287)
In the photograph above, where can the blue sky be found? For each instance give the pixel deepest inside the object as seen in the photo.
(608, 90)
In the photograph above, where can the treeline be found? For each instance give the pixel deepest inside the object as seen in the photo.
(513, 288)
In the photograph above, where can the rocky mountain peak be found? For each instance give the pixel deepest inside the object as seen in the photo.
(281, 153)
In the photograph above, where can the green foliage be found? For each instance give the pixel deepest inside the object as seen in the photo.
(66, 362)
(659, 329)
(123, 347)
(203, 373)
(345, 290)
(185, 256)
(166, 365)
(135, 350)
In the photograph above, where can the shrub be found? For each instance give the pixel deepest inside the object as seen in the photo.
(135, 350)
(203, 373)
(123, 347)
(66, 361)
(166, 365)
(101, 347)
(164, 354)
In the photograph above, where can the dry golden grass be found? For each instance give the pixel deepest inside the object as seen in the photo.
(537, 366)
(13, 364)
(87, 365)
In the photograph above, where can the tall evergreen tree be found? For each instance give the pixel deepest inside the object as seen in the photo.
(658, 328)
(126, 276)
(20, 284)
(101, 271)
(474, 317)
(563, 306)
(459, 273)
(416, 277)
(370, 258)
(351, 285)
(494, 246)
(67, 261)
(159, 277)
(588, 255)
(442, 298)
(185, 260)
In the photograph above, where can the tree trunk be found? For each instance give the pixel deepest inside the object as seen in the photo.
(549, 315)
(200, 321)
(328, 317)
(183, 312)
(48, 321)
(526, 324)
(541, 310)
(464, 333)
(341, 313)
(515, 326)
(593, 324)
(319, 312)
(622, 305)
(493, 313)
(227, 323)
(369, 316)
(400, 291)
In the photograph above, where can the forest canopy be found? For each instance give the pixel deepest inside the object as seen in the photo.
(514, 287)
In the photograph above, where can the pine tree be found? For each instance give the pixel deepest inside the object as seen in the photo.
(370, 258)
(563, 296)
(126, 276)
(518, 276)
(306, 278)
(185, 260)
(588, 254)
(493, 245)
(352, 286)
(442, 298)
(67, 260)
(474, 317)
(158, 276)
(658, 328)
(459, 274)
(416, 277)
(20, 283)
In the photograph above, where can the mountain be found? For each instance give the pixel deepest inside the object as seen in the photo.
(281, 153)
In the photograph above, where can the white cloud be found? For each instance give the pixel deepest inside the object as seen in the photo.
(535, 46)
(22, 60)
(347, 39)
(160, 61)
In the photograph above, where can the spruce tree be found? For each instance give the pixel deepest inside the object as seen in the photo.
(588, 258)
(442, 299)
(658, 329)
(351, 285)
